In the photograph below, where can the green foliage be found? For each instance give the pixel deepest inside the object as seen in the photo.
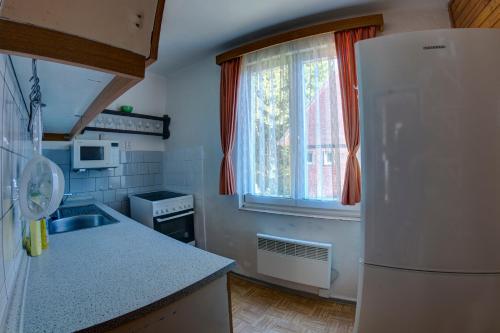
(271, 122)
(315, 74)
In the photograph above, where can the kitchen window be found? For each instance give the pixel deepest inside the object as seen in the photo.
(291, 146)
(327, 158)
(310, 157)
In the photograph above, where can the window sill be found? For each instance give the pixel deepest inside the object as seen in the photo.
(350, 215)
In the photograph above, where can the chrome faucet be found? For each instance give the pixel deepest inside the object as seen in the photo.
(65, 196)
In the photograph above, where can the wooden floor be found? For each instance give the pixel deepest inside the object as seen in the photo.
(262, 309)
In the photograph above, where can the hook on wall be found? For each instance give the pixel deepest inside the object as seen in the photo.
(35, 95)
(35, 126)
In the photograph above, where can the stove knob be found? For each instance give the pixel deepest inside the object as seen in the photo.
(166, 210)
(157, 212)
(162, 211)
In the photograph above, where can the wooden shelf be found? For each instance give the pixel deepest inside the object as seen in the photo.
(165, 120)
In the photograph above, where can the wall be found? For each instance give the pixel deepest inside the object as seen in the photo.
(139, 171)
(147, 97)
(15, 151)
(193, 103)
(141, 156)
(183, 172)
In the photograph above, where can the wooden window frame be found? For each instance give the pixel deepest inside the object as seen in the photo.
(321, 28)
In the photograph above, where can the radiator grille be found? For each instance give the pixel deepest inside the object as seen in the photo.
(292, 249)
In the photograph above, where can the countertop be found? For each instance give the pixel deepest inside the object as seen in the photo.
(101, 277)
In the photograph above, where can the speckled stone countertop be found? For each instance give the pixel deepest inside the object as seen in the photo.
(98, 278)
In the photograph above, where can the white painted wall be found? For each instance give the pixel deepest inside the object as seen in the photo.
(147, 97)
(193, 103)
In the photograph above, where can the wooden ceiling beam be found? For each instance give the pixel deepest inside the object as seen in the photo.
(115, 88)
(55, 137)
(36, 42)
(351, 23)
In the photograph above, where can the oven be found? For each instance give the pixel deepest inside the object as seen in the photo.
(169, 213)
(179, 225)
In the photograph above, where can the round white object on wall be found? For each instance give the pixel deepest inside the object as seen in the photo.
(41, 188)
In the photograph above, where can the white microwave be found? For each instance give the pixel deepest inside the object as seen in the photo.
(95, 154)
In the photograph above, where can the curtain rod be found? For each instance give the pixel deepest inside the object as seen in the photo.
(321, 28)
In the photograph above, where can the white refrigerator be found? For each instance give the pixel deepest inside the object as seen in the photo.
(430, 151)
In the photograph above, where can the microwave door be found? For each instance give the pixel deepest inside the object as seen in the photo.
(92, 153)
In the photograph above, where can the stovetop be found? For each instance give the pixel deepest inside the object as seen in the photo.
(160, 195)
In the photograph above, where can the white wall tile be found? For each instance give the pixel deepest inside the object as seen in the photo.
(3, 291)
(109, 196)
(101, 183)
(15, 150)
(183, 172)
(12, 240)
(114, 183)
(2, 106)
(131, 176)
(79, 185)
(6, 180)
(3, 58)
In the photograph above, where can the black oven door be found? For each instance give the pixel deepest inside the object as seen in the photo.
(178, 225)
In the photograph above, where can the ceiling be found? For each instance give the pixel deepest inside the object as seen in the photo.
(67, 90)
(194, 28)
(191, 29)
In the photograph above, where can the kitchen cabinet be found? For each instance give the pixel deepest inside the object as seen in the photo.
(475, 13)
(206, 310)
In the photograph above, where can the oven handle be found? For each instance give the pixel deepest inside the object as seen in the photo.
(174, 217)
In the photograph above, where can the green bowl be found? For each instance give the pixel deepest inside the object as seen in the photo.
(127, 108)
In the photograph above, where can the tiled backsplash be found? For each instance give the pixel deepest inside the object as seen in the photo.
(184, 173)
(139, 171)
(16, 149)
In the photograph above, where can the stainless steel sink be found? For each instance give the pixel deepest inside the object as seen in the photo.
(75, 218)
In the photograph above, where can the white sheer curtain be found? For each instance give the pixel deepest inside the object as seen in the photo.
(290, 134)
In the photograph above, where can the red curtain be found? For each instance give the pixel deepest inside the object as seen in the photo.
(230, 73)
(344, 43)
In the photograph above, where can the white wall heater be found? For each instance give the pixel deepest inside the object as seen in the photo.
(304, 262)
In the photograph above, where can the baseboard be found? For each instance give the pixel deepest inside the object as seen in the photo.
(292, 291)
